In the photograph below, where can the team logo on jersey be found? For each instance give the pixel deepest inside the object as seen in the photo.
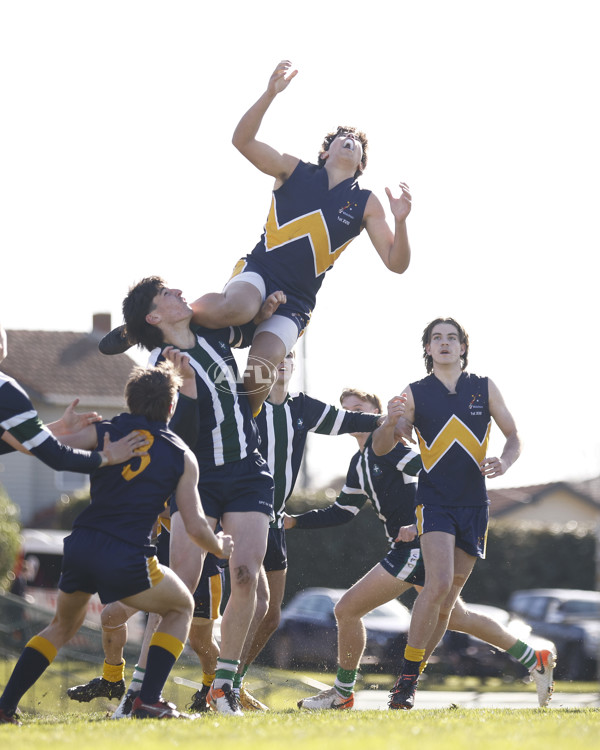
(376, 471)
(346, 211)
(299, 423)
(223, 346)
(475, 405)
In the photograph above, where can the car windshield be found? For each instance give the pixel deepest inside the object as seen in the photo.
(580, 608)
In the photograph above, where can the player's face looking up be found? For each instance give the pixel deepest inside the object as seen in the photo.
(169, 306)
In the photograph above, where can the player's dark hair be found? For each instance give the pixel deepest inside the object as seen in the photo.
(150, 392)
(136, 305)
(363, 396)
(463, 338)
(330, 137)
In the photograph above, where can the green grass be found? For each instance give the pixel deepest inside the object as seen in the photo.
(53, 722)
(353, 730)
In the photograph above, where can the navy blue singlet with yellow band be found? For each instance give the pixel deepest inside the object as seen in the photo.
(308, 228)
(453, 429)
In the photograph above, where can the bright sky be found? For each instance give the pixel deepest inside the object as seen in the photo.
(117, 163)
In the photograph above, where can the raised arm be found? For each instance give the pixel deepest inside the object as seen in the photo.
(263, 156)
(393, 247)
(492, 466)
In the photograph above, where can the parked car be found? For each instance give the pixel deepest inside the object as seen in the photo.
(307, 638)
(465, 655)
(307, 633)
(571, 618)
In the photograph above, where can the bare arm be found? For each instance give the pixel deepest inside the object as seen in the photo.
(192, 515)
(494, 466)
(393, 248)
(385, 438)
(263, 156)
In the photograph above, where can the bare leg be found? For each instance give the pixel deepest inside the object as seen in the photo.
(266, 353)
(249, 532)
(374, 589)
(203, 643)
(270, 622)
(237, 305)
(114, 631)
(463, 565)
(263, 599)
(480, 626)
(70, 614)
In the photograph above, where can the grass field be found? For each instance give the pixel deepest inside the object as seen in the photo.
(352, 730)
(53, 722)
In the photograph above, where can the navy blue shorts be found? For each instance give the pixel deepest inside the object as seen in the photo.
(406, 564)
(276, 554)
(236, 487)
(467, 523)
(97, 562)
(209, 592)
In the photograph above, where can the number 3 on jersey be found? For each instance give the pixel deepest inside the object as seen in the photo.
(130, 473)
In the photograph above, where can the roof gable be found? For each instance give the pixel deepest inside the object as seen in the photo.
(58, 366)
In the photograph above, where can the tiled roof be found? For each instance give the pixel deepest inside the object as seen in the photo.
(58, 366)
(506, 500)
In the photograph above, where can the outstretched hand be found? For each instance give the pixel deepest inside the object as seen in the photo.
(72, 422)
(280, 79)
(400, 207)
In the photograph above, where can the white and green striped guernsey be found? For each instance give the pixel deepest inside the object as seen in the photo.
(283, 430)
(227, 431)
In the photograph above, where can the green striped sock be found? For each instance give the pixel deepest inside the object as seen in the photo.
(523, 654)
(344, 681)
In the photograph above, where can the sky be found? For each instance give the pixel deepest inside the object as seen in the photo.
(116, 163)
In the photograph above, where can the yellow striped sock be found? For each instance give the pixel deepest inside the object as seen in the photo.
(168, 642)
(43, 645)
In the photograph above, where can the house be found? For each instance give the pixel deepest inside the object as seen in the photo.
(564, 503)
(56, 367)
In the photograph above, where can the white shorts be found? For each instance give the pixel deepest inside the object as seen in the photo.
(281, 326)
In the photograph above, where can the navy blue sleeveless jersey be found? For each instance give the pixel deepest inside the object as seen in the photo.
(126, 499)
(283, 429)
(387, 481)
(226, 431)
(21, 420)
(308, 228)
(453, 431)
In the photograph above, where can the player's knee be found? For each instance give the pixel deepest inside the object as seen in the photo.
(345, 610)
